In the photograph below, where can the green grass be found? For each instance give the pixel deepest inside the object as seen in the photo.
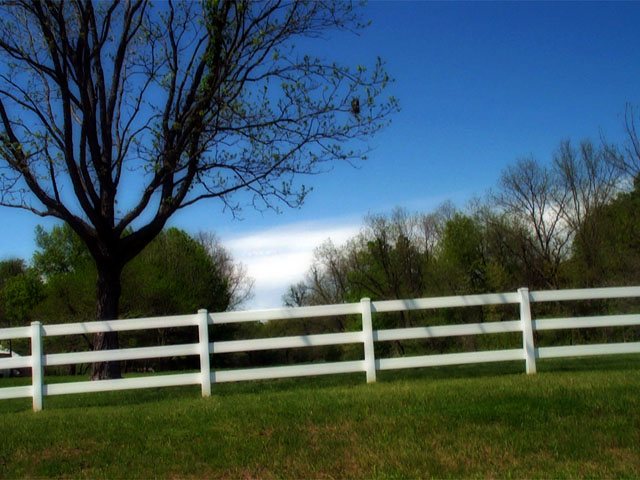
(575, 418)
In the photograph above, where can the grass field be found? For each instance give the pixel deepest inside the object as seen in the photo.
(575, 418)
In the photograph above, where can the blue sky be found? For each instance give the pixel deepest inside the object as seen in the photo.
(480, 85)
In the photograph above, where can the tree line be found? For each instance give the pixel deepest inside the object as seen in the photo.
(572, 222)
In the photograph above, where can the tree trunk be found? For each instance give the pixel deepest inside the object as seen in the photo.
(109, 289)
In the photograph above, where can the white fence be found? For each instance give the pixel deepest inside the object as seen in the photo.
(367, 336)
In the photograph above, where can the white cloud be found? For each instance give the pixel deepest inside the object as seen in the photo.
(278, 257)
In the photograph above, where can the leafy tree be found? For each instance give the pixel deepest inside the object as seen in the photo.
(64, 262)
(69, 293)
(613, 258)
(20, 294)
(385, 261)
(116, 115)
(9, 270)
(60, 251)
(391, 258)
(175, 274)
(462, 256)
(20, 291)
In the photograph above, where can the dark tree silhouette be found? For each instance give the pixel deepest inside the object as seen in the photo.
(116, 115)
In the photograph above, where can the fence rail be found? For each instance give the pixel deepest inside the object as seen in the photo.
(367, 337)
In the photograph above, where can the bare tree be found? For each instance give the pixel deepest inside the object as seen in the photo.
(297, 295)
(531, 194)
(324, 283)
(627, 158)
(326, 280)
(431, 228)
(240, 283)
(590, 182)
(553, 203)
(116, 115)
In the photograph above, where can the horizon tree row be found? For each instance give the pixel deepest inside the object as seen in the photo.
(571, 223)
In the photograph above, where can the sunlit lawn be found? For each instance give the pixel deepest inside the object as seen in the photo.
(575, 418)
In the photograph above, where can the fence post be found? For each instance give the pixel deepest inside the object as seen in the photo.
(367, 332)
(205, 366)
(36, 365)
(527, 331)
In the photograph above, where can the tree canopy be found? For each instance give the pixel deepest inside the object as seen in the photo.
(174, 274)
